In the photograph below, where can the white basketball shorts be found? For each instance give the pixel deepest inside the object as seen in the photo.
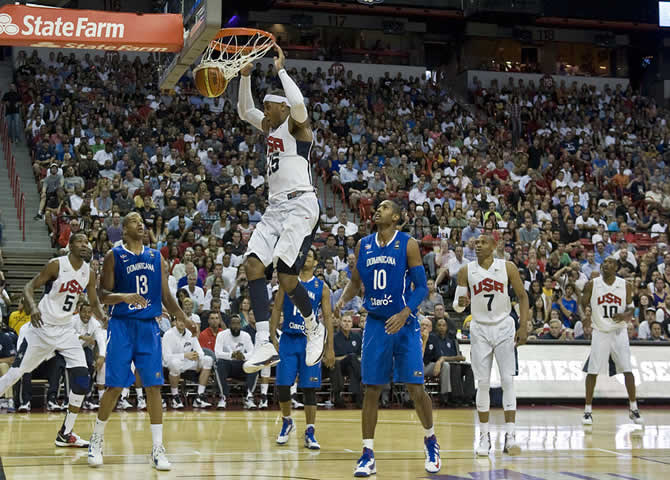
(604, 344)
(285, 230)
(38, 344)
(487, 341)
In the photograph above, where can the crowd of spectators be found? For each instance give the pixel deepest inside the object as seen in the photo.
(562, 176)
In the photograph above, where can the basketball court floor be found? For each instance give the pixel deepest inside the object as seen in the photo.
(241, 445)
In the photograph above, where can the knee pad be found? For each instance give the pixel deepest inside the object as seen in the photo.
(79, 380)
(483, 399)
(284, 392)
(309, 396)
(509, 394)
(207, 362)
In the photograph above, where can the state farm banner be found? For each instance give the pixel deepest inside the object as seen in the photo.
(90, 29)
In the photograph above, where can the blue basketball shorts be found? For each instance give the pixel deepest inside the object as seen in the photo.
(292, 363)
(399, 354)
(130, 340)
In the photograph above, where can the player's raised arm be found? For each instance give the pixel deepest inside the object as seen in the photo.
(461, 299)
(49, 273)
(329, 353)
(245, 101)
(417, 275)
(107, 295)
(170, 303)
(524, 308)
(353, 285)
(92, 293)
(292, 92)
(275, 316)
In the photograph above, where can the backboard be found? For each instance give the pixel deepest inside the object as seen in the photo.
(202, 21)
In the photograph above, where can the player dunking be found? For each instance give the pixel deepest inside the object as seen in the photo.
(134, 281)
(606, 296)
(51, 328)
(387, 262)
(493, 333)
(286, 229)
(292, 347)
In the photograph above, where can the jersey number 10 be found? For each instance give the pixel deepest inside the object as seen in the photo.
(609, 311)
(379, 280)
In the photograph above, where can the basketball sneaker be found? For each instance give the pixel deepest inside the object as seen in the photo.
(141, 403)
(263, 405)
(3, 403)
(366, 465)
(95, 450)
(316, 339)
(124, 404)
(484, 446)
(222, 403)
(587, 419)
(310, 440)
(286, 428)
(176, 403)
(158, 458)
(512, 448)
(200, 402)
(249, 403)
(24, 407)
(10, 406)
(265, 355)
(432, 450)
(53, 406)
(69, 440)
(295, 404)
(635, 416)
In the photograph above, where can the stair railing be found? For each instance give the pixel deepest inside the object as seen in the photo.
(14, 179)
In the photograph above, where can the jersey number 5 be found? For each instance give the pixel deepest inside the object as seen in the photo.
(142, 284)
(68, 303)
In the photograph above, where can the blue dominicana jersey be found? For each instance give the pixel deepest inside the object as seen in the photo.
(293, 321)
(138, 274)
(384, 273)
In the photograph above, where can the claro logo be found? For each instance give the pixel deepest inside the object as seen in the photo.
(82, 28)
(6, 25)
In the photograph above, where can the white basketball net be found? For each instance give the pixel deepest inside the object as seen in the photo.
(232, 52)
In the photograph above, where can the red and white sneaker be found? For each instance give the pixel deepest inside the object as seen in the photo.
(71, 440)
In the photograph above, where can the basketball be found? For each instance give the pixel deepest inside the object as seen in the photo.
(210, 81)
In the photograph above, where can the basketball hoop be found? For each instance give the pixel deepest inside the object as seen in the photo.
(233, 48)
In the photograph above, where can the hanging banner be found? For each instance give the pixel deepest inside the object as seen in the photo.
(90, 29)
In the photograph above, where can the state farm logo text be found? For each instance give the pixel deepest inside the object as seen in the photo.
(82, 28)
(6, 25)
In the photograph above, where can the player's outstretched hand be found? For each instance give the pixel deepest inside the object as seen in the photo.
(36, 319)
(521, 337)
(279, 59)
(395, 323)
(135, 299)
(246, 70)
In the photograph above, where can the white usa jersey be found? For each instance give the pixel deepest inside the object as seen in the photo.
(58, 306)
(606, 302)
(489, 300)
(288, 166)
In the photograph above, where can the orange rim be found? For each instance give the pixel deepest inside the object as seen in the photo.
(242, 32)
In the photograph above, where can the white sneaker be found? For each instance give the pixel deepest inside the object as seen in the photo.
(177, 403)
(95, 450)
(124, 404)
(3, 403)
(264, 403)
(265, 355)
(635, 416)
(316, 338)
(295, 404)
(286, 428)
(199, 402)
(249, 403)
(141, 403)
(511, 448)
(10, 406)
(53, 406)
(158, 458)
(587, 419)
(432, 451)
(484, 446)
(24, 408)
(222, 403)
(366, 465)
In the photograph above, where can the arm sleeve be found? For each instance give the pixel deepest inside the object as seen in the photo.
(460, 292)
(245, 104)
(100, 339)
(219, 348)
(418, 276)
(294, 97)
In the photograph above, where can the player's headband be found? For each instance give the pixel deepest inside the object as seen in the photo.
(275, 99)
